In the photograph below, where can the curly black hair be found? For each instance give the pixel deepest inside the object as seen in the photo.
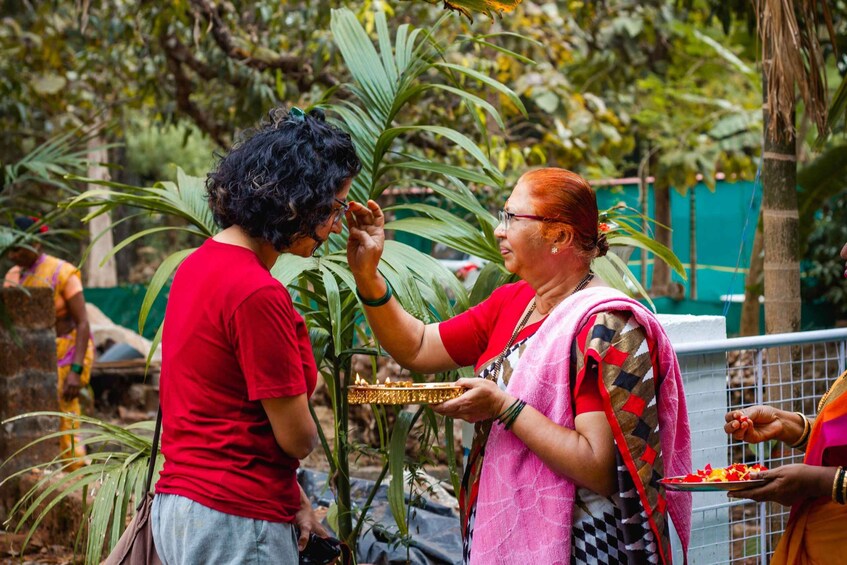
(280, 182)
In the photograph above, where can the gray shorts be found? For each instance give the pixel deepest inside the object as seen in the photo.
(188, 533)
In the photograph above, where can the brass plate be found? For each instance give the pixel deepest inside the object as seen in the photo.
(408, 393)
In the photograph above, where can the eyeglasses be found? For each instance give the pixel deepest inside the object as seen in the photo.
(506, 218)
(338, 214)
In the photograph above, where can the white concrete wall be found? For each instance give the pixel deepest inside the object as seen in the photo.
(704, 379)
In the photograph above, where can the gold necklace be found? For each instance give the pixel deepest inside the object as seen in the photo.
(498, 364)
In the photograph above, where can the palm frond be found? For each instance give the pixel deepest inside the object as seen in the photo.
(115, 476)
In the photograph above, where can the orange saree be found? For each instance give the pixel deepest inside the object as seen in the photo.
(817, 529)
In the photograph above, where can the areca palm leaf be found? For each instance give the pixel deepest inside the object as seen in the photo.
(492, 276)
(488, 81)
(444, 227)
(439, 169)
(615, 272)
(160, 278)
(54, 158)
(359, 54)
(114, 477)
(185, 199)
(288, 268)
(456, 137)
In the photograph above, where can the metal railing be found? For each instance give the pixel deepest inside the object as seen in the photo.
(789, 371)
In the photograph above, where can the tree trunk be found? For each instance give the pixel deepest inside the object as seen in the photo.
(780, 230)
(692, 234)
(643, 190)
(753, 287)
(97, 275)
(661, 272)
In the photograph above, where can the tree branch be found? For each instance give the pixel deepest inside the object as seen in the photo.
(184, 88)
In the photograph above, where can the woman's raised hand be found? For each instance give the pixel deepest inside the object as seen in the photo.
(367, 237)
(755, 424)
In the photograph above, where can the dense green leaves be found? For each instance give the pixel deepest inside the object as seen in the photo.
(118, 460)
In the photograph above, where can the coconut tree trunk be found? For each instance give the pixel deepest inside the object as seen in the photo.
(780, 230)
(753, 287)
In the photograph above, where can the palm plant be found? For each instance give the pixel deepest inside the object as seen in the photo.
(114, 477)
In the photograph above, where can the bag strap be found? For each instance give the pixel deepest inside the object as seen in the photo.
(154, 451)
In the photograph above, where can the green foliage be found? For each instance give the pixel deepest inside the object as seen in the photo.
(155, 152)
(115, 477)
(824, 280)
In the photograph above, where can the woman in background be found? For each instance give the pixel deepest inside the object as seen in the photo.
(74, 347)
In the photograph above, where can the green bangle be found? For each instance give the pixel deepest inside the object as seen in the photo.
(507, 410)
(379, 301)
(76, 368)
(514, 415)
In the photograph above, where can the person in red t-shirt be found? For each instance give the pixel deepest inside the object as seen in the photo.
(592, 440)
(237, 365)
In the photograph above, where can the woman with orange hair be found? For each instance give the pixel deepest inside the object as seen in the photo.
(578, 405)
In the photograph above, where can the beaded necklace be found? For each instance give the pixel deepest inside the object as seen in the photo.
(498, 364)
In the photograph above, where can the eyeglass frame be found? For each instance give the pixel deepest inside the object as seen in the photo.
(338, 214)
(505, 217)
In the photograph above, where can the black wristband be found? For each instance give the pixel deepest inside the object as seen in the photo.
(76, 368)
(379, 301)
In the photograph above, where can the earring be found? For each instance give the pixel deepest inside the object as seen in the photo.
(554, 250)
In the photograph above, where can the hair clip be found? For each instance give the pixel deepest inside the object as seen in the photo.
(297, 114)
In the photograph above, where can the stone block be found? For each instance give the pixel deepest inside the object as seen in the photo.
(36, 350)
(21, 434)
(28, 392)
(30, 308)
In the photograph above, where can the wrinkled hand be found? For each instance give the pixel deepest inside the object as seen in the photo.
(786, 485)
(73, 384)
(754, 424)
(307, 522)
(367, 237)
(483, 400)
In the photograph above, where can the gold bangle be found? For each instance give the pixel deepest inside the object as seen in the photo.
(804, 437)
(843, 487)
(835, 482)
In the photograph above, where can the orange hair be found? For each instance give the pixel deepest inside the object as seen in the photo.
(564, 195)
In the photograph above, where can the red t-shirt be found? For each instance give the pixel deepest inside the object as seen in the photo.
(231, 338)
(478, 335)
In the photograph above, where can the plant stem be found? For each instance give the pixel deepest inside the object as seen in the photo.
(345, 517)
(364, 512)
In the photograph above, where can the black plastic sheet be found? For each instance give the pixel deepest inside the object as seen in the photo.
(433, 527)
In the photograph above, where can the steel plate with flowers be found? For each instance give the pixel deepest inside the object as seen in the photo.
(734, 477)
(401, 392)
